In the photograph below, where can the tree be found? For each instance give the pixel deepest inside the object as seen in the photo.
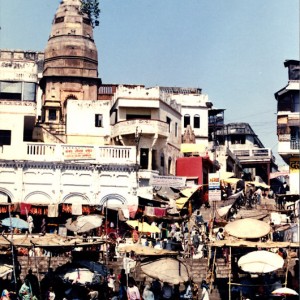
(91, 8)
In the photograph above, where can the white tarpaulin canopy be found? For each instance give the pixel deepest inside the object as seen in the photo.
(5, 269)
(84, 223)
(247, 228)
(260, 262)
(168, 270)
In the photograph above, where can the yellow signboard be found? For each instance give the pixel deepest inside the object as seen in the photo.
(294, 165)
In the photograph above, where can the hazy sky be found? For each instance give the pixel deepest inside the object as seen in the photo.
(233, 49)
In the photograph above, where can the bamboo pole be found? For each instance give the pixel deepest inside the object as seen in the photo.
(212, 269)
(287, 270)
(229, 275)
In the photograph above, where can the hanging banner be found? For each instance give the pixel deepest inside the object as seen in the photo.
(172, 181)
(214, 189)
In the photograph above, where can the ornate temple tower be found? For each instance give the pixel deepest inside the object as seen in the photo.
(70, 69)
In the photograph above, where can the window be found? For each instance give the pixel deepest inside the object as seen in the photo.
(169, 123)
(10, 90)
(238, 139)
(196, 121)
(52, 114)
(162, 160)
(144, 156)
(5, 137)
(59, 20)
(176, 129)
(186, 120)
(296, 105)
(134, 117)
(98, 120)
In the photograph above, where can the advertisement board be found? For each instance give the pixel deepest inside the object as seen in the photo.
(214, 189)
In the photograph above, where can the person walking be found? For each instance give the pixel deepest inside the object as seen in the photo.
(111, 278)
(133, 292)
(166, 291)
(51, 294)
(205, 290)
(147, 293)
(122, 278)
(258, 194)
(135, 234)
(156, 289)
(34, 282)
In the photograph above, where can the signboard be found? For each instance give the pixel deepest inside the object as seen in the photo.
(294, 165)
(214, 189)
(74, 153)
(172, 181)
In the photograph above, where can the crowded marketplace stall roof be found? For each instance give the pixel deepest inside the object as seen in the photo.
(46, 241)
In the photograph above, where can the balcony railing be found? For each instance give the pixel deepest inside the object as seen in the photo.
(253, 153)
(145, 126)
(65, 153)
(295, 145)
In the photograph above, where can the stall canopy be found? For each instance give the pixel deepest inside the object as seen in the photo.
(260, 262)
(247, 228)
(143, 226)
(258, 184)
(5, 270)
(186, 194)
(168, 270)
(144, 250)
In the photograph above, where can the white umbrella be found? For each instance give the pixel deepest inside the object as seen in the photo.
(247, 228)
(168, 270)
(284, 292)
(260, 262)
(84, 223)
(79, 275)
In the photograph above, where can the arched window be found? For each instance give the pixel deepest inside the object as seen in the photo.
(196, 121)
(186, 120)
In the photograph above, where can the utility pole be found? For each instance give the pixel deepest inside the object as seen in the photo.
(137, 138)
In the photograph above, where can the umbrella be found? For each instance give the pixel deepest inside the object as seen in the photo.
(231, 180)
(258, 184)
(168, 270)
(143, 226)
(93, 266)
(284, 292)
(248, 228)
(15, 223)
(84, 223)
(260, 262)
(79, 275)
(226, 175)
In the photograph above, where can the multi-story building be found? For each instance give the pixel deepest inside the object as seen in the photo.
(288, 123)
(19, 76)
(151, 121)
(239, 141)
(66, 157)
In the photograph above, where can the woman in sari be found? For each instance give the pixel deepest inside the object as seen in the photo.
(25, 291)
